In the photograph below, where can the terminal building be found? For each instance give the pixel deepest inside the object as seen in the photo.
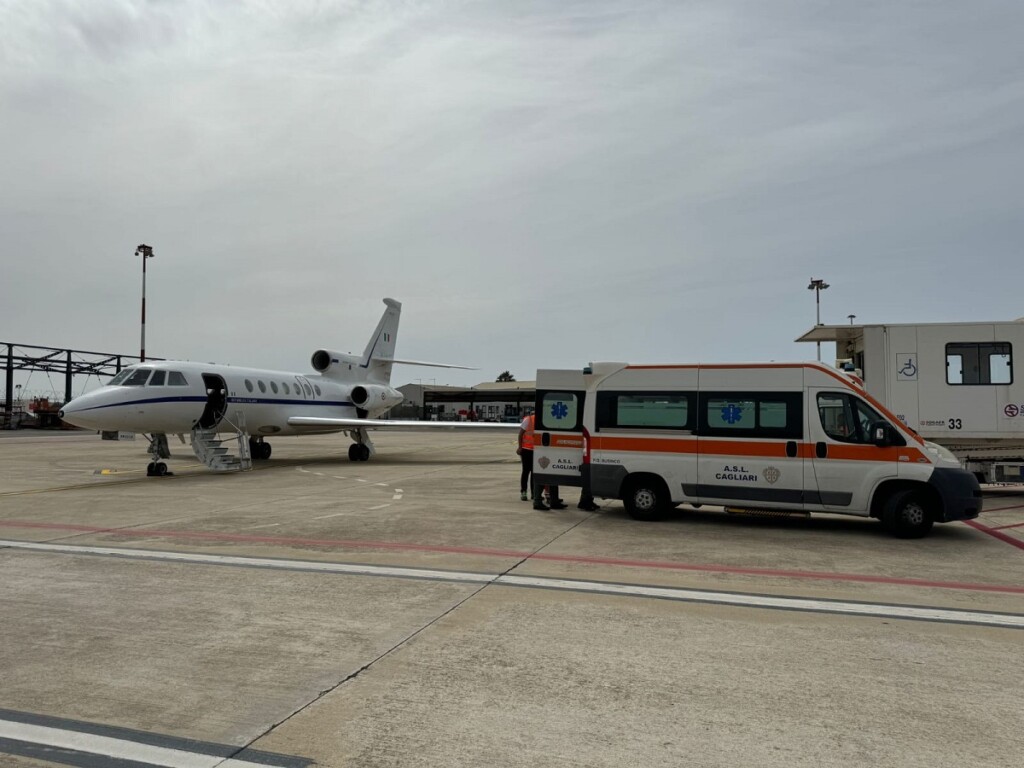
(506, 401)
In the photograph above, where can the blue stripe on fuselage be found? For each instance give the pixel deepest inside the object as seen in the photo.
(201, 399)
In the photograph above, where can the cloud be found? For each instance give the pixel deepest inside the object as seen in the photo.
(539, 183)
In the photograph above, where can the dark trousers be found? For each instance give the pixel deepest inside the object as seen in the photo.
(524, 478)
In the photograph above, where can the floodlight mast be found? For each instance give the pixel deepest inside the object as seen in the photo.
(146, 252)
(817, 285)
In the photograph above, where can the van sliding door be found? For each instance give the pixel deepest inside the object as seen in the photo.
(749, 446)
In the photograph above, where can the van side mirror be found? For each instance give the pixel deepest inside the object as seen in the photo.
(882, 434)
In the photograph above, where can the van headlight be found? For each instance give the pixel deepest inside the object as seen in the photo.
(942, 452)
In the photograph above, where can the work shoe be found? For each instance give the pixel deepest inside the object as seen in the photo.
(540, 506)
(588, 507)
(523, 496)
(557, 504)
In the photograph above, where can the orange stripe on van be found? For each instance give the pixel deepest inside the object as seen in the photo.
(565, 441)
(772, 449)
(644, 444)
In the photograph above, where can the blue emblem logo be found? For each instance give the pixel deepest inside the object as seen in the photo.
(559, 410)
(732, 413)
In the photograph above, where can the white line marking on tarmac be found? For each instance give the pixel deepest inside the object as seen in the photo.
(324, 517)
(360, 480)
(122, 749)
(268, 525)
(396, 497)
(379, 506)
(878, 610)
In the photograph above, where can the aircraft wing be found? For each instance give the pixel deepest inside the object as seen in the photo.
(407, 425)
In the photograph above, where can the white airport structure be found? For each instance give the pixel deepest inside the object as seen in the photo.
(953, 383)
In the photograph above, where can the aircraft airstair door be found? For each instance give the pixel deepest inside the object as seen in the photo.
(216, 401)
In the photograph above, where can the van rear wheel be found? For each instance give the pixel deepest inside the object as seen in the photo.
(908, 515)
(646, 498)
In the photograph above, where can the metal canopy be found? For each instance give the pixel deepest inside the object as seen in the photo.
(69, 362)
(836, 333)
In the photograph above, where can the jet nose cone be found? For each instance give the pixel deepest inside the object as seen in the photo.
(73, 412)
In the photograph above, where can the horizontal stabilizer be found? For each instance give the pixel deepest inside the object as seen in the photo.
(406, 425)
(428, 365)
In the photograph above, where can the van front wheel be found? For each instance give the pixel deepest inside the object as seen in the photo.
(646, 498)
(907, 515)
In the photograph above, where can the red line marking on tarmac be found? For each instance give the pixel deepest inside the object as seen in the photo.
(1011, 525)
(995, 533)
(593, 560)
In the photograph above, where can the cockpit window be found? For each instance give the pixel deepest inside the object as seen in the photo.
(138, 377)
(121, 376)
(176, 379)
(158, 378)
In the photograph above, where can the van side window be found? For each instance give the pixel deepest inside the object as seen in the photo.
(176, 379)
(752, 414)
(979, 363)
(645, 410)
(158, 378)
(559, 410)
(846, 418)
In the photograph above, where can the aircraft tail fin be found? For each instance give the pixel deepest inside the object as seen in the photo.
(379, 354)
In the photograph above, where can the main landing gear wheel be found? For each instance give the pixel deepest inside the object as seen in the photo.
(156, 469)
(259, 449)
(358, 452)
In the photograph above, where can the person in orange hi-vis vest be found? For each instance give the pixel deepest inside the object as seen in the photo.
(525, 451)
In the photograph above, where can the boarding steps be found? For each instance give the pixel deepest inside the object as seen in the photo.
(210, 449)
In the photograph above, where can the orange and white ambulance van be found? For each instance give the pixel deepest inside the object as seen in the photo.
(772, 436)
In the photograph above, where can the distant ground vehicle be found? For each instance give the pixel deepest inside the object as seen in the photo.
(778, 436)
(952, 383)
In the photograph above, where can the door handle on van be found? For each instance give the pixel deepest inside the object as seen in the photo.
(820, 450)
(791, 449)
(545, 439)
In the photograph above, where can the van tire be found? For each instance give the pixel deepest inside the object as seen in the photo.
(907, 515)
(646, 498)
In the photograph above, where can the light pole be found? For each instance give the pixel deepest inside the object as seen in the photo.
(817, 285)
(146, 252)
(852, 318)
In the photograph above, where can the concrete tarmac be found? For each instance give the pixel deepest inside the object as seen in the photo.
(411, 611)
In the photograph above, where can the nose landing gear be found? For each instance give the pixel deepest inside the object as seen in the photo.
(158, 449)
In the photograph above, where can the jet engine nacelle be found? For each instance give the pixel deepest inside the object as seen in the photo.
(374, 397)
(328, 362)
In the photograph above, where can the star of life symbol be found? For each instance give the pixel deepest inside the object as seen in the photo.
(559, 410)
(772, 475)
(732, 413)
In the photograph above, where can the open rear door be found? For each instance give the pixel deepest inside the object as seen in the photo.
(558, 428)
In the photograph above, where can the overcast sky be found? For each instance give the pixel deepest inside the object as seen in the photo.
(542, 184)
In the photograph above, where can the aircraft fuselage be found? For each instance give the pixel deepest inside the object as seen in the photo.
(216, 395)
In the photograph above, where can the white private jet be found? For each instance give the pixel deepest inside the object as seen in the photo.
(172, 398)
